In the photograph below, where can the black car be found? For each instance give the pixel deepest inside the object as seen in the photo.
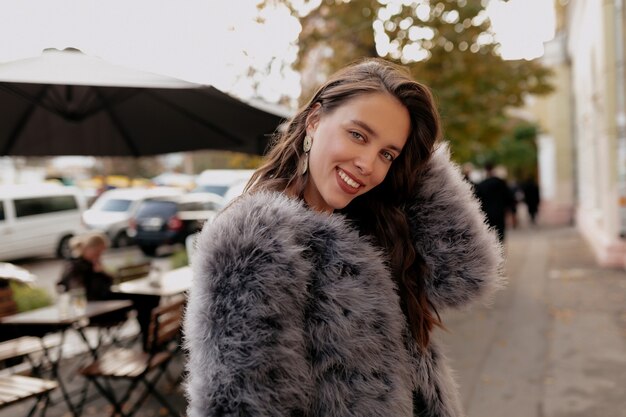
(168, 220)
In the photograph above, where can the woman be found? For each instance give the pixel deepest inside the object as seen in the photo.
(84, 270)
(315, 293)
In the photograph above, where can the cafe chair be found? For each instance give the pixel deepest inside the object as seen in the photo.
(17, 388)
(8, 306)
(127, 273)
(137, 366)
(110, 326)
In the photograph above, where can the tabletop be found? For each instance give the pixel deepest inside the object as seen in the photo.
(52, 315)
(170, 283)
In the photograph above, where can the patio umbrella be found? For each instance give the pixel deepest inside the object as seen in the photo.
(67, 103)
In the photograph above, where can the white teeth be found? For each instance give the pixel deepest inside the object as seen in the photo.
(348, 180)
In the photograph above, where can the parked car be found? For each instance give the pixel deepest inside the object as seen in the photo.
(234, 191)
(39, 220)
(175, 179)
(167, 220)
(218, 181)
(112, 211)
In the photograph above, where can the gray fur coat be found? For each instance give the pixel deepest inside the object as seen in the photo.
(292, 313)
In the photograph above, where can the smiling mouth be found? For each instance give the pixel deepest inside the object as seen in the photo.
(347, 180)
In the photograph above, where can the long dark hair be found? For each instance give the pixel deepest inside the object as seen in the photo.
(378, 213)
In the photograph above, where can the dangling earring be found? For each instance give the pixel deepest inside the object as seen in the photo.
(306, 147)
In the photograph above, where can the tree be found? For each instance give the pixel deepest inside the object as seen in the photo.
(447, 44)
(517, 151)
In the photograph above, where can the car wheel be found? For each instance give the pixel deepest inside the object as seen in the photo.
(148, 250)
(64, 250)
(122, 240)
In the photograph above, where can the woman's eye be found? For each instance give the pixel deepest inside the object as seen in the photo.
(357, 136)
(388, 156)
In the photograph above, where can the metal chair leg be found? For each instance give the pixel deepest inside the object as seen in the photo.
(45, 405)
(161, 398)
(34, 407)
(110, 396)
(146, 392)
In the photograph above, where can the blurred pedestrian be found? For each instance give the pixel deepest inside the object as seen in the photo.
(84, 270)
(85, 273)
(532, 198)
(518, 197)
(496, 200)
(315, 292)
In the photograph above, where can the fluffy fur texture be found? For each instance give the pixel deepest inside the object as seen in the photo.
(448, 228)
(292, 313)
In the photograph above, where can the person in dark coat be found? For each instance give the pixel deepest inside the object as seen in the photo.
(85, 271)
(496, 200)
(531, 197)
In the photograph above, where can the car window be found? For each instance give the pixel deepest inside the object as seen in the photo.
(115, 205)
(41, 205)
(199, 206)
(234, 191)
(216, 189)
(156, 208)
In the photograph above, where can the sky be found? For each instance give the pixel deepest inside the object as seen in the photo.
(211, 41)
(521, 26)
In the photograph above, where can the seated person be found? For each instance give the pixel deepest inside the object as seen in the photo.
(85, 269)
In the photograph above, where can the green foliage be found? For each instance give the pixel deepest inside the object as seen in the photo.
(28, 297)
(474, 87)
(447, 44)
(516, 151)
(179, 259)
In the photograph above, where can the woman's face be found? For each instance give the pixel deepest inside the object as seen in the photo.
(353, 149)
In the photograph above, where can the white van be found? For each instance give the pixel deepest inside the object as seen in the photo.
(38, 219)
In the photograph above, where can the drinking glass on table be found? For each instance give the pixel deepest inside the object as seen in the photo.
(154, 277)
(63, 302)
(78, 301)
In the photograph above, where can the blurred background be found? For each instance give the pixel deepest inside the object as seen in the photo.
(518, 82)
(536, 88)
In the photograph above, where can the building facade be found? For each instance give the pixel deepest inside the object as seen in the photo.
(556, 151)
(590, 37)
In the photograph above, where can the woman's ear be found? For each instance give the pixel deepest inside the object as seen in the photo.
(313, 119)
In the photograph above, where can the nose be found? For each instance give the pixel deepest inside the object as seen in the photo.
(365, 163)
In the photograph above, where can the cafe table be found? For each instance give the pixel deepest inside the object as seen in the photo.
(146, 293)
(51, 319)
(166, 284)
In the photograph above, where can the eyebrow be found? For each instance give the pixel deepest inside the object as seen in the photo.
(371, 131)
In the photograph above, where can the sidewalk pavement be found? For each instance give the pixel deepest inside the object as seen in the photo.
(553, 343)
